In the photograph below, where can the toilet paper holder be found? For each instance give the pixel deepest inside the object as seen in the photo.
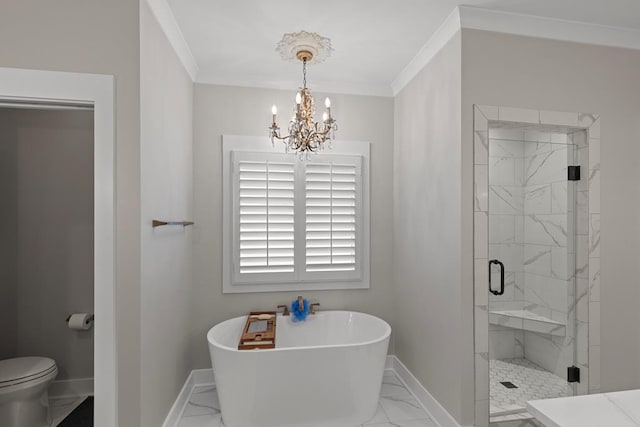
(89, 319)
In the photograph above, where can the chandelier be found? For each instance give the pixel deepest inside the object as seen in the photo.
(305, 134)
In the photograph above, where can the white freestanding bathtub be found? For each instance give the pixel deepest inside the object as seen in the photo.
(324, 372)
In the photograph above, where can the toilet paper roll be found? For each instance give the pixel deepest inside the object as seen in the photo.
(80, 321)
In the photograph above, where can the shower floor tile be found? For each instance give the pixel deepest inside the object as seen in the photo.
(532, 382)
(397, 407)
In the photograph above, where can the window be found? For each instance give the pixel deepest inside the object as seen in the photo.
(291, 224)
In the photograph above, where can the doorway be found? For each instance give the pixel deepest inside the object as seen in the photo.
(45, 89)
(536, 254)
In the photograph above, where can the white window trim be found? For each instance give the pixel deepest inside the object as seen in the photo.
(231, 143)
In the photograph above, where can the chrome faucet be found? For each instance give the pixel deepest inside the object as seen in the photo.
(312, 307)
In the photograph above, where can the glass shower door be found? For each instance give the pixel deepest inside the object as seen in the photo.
(531, 267)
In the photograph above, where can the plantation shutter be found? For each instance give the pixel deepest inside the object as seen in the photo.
(332, 216)
(264, 214)
(294, 224)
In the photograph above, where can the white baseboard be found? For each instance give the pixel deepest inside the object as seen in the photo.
(201, 377)
(71, 388)
(197, 377)
(433, 407)
(181, 401)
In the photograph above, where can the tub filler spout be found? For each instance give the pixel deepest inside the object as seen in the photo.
(313, 307)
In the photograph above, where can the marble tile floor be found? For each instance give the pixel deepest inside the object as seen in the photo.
(397, 407)
(533, 383)
(60, 408)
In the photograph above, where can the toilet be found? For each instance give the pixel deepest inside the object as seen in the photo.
(24, 400)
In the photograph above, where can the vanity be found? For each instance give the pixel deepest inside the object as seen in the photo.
(619, 409)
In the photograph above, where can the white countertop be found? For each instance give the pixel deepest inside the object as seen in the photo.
(619, 409)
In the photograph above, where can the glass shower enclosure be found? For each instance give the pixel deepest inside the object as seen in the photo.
(532, 241)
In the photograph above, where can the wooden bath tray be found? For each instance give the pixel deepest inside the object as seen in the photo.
(259, 331)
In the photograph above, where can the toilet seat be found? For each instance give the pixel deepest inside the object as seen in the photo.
(22, 370)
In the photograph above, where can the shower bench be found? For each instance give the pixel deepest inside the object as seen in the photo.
(528, 321)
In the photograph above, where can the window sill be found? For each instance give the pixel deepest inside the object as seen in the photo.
(297, 286)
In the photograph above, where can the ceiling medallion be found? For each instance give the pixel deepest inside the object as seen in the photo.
(305, 135)
(292, 43)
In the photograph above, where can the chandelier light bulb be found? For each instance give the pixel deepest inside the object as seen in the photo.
(327, 102)
(298, 98)
(274, 109)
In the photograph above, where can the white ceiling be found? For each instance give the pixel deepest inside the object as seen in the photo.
(233, 41)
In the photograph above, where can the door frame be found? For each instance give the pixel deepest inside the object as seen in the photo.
(587, 251)
(97, 91)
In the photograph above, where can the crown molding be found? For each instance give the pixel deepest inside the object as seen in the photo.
(548, 28)
(467, 17)
(167, 20)
(436, 42)
(476, 18)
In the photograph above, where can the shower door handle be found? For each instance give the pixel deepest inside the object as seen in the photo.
(501, 265)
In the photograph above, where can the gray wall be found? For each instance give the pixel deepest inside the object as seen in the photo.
(433, 336)
(166, 124)
(97, 37)
(526, 72)
(53, 228)
(222, 110)
(9, 240)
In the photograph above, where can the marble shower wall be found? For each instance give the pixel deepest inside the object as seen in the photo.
(549, 248)
(546, 225)
(506, 235)
(529, 221)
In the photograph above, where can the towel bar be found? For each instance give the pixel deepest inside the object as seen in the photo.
(158, 223)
